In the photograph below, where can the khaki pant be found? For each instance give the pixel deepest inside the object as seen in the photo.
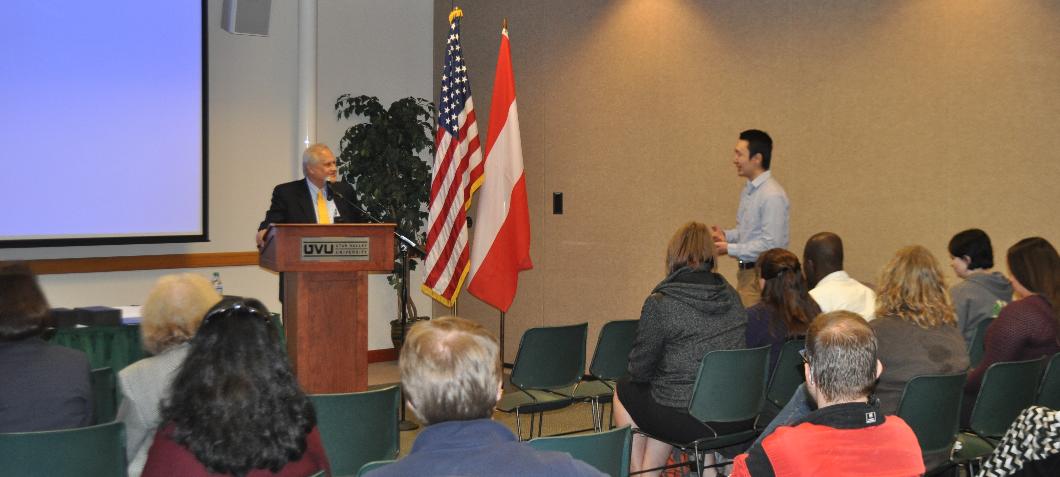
(748, 288)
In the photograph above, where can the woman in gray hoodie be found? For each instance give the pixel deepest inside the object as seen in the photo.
(982, 293)
(691, 312)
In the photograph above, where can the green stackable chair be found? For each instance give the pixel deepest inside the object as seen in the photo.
(730, 387)
(548, 366)
(975, 353)
(97, 451)
(357, 428)
(786, 377)
(931, 405)
(375, 464)
(104, 395)
(607, 451)
(1049, 391)
(610, 362)
(1007, 389)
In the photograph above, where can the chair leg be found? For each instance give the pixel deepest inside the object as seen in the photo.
(533, 416)
(518, 427)
(699, 461)
(594, 406)
(540, 423)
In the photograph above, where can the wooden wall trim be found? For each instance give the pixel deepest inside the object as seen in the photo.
(142, 262)
(382, 355)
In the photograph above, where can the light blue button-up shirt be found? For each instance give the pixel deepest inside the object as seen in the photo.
(332, 209)
(761, 220)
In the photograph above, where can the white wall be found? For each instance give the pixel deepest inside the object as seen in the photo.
(375, 47)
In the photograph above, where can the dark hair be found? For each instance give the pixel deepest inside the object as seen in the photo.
(235, 404)
(974, 244)
(23, 308)
(785, 291)
(758, 142)
(1035, 264)
(841, 349)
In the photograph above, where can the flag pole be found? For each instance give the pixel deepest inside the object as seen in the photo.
(503, 363)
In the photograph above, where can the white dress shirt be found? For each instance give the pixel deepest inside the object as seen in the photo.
(837, 291)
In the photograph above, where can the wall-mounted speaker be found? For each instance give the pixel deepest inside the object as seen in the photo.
(246, 17)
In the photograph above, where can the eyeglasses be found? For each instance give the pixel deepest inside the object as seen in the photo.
(805, 357)
(235, 306)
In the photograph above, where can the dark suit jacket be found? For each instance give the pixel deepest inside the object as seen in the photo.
(291, 205)
(43, 387)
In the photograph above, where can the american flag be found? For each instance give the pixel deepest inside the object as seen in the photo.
(457, 174)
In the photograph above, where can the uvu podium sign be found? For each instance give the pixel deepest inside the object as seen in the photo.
(334, 248)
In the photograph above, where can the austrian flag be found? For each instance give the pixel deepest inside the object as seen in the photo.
(500, 248)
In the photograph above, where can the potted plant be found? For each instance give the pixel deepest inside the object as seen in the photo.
(382, 158)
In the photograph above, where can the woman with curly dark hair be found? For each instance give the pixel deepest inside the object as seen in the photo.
(786, 309)
(235, 407)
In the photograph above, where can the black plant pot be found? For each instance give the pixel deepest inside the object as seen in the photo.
(395, 330)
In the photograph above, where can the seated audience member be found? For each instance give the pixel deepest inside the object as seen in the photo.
(786, 309)
(915, 325)
(451, 374)
(847, 434)
(916, 329)
(691, 312)
(982, 292)
(43, 387)
(1031, 446)
(1026, 328)
(829, 285)
(235, 406)
(171, 315)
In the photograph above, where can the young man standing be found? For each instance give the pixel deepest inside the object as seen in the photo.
(762, 218)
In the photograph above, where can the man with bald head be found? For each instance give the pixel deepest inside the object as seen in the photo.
(830, 286)
(847, 435)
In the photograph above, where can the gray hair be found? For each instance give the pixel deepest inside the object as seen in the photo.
(311, 155)
(841, 349)
(450, 370)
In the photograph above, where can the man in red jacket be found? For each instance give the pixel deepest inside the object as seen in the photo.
(847, 435)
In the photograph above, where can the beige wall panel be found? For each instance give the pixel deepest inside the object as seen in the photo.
(895, 123)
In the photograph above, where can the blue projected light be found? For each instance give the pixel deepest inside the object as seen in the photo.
(103, 122)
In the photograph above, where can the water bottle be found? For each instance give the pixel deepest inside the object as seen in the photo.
(217, 285)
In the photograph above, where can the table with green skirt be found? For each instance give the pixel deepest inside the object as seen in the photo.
(116, 347)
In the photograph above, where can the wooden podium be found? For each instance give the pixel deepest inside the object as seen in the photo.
(325, 298)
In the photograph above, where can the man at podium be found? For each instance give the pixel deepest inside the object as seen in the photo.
(317, 199)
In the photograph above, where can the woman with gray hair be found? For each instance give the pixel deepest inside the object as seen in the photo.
(171, 315)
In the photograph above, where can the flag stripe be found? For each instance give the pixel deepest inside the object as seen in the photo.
(457, 153)
(501, 246)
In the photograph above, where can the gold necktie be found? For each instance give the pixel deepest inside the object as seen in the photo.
(323, 217)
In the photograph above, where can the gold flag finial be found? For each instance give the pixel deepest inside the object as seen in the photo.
(456, 13)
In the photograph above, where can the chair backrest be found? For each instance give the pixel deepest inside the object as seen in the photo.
(611, 357)
(104, 395)
(1049, 391)
(550, 357)
(787, 375)
(607, 451)
(375, 464)
(1008, 388)
(975, 353)
(931, 405)
(731, 385)
(98, 451)
(357, 428)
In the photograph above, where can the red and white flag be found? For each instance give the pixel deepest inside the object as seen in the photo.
(500, 248)
(457, 172)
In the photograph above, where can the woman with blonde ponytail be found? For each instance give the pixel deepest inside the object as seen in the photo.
(786, 309)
